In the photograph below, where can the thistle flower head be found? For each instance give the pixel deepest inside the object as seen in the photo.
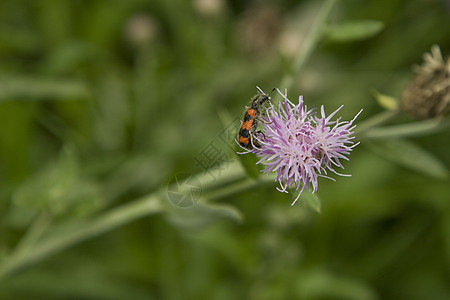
(428, 93)
(301, 145)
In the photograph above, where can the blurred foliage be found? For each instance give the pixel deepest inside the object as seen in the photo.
(102, 102)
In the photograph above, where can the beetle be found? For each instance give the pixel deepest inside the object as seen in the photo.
(251, 119)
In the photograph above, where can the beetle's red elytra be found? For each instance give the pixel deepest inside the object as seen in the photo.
(250, 121)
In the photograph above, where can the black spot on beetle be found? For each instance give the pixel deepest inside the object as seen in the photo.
(247, 117)
(244, 133)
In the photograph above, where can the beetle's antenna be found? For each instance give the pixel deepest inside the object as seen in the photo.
(271, 92)
(262, 92)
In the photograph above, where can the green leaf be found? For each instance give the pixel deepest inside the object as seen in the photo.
(410, 155)
(385, 101)
(202, 214)
(354, 30)
(407, 130)
(42, 89)
(311, 200)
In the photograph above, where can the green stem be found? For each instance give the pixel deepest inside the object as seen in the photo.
(34, 232)
(310, 43)
(47, 244)
(239, 186)
(374, 121)
(63, 240)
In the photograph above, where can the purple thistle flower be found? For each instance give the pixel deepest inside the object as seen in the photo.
(300, 146)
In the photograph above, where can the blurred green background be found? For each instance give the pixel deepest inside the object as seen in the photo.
(102, 102)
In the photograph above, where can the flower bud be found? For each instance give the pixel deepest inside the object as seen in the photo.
(428, 93)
